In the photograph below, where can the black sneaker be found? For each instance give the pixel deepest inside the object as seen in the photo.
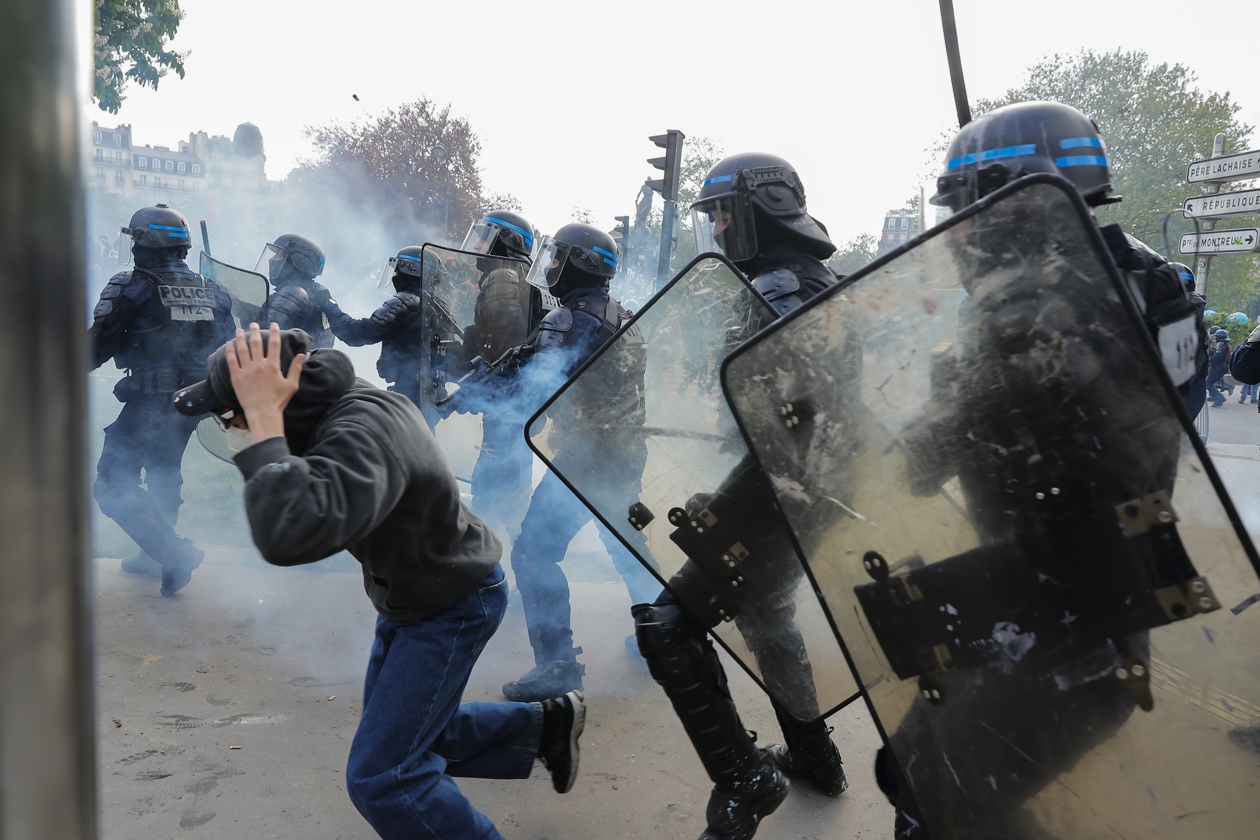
(816, 759)
(564, 718)
(734, 813)
(550, 679)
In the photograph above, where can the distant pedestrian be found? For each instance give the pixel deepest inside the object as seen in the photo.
(1218, 366)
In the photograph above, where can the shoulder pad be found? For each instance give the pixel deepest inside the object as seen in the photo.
(555, 325)
(288, 302)
(559, 319)
(776, 283)
(782, 289)
(394, 308)
(116, 284)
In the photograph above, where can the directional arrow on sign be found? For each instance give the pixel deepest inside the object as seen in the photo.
(1240, 241)
(1240, 203)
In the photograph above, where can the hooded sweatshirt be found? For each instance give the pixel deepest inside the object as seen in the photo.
(359, 470)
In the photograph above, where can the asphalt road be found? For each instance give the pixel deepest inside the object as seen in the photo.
(227, 711)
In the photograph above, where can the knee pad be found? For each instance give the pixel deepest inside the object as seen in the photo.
(677, 650)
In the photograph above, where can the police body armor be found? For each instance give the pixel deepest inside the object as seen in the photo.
(1018, 537)
(731, 565)
(449, 339)
(617, 397)
(294, 306)
(507, 310)
(180, 324)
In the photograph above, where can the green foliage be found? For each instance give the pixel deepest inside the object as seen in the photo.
(700, 154)
(1237, 332)
(129, 45)
(418, 162)
(1155, 121)
(854, 254)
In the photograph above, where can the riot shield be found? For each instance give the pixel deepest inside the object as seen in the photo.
(1020, 541)
(668, 473)
(248, 289)
(451, 320)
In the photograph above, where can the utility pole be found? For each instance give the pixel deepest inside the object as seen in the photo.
(667, 186)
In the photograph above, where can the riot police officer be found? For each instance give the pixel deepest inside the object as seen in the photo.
(158, 322)
(576, 265)
(397, 325)
(292, 263)
(974, 433)
(752, 209)
(507, 311)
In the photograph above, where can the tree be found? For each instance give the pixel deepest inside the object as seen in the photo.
(416, 165)
(854, 254)
(129, 45)
(1154, 121)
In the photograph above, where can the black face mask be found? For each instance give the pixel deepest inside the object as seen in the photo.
(148, 258)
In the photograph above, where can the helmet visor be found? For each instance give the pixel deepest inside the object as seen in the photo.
(270, 261)
(548, 263)
(386, 280)
(483, 235)
(725, 224)
(480, 238)
(125, 241)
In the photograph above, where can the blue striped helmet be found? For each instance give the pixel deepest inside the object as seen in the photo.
(1021, 139)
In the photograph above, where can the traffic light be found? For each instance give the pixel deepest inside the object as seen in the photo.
(672, 143)
(621, 232)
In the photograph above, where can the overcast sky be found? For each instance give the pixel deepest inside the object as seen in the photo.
(564, 94)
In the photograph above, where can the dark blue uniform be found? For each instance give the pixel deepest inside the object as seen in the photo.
(297, 305)
(159, 324)
(567, 337)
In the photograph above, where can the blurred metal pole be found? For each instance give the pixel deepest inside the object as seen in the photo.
(952, 54)
(47, 752)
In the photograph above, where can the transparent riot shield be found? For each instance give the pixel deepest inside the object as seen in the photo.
(642, 435)
(249, 291)
(459, 329)
(1018, 537)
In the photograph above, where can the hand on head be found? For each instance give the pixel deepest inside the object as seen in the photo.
(261, 388)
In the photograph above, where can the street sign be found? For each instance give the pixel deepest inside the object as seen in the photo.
(1240, 241)
(1241, 203)
(1238, 167)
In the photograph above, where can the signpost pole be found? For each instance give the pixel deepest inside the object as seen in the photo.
(1205, 260)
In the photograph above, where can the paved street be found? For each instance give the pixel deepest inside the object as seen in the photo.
(227, 711)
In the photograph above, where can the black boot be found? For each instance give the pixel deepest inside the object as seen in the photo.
(813, 757)
(178, 565)
(735, 811)
(549, 678)
(747, 785)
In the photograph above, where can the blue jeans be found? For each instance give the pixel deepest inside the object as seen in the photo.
(414, 735)
(553, 519)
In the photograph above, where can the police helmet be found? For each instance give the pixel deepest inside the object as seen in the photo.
(1185, 273)
(578, 255)
(501, 233)
(751, 201)
(1022, 139)
(411, 266)
(158, 227)
(301, 254)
